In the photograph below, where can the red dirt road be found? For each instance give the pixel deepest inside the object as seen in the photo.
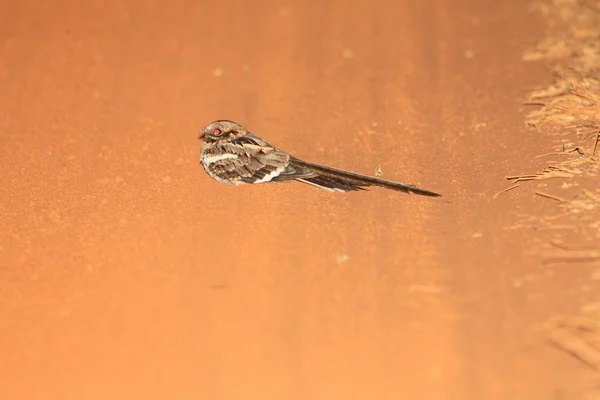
(128, 274)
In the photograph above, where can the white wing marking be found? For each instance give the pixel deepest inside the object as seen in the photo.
(271, 175)
(224, 156)
(319, 186)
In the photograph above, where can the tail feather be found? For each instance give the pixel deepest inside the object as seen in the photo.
(336, 179)
(330, 184)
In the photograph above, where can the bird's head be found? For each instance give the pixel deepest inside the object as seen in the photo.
(221, 130)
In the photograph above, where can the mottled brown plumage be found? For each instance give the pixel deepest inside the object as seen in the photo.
(234, 156)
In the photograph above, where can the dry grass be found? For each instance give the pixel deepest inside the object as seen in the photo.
(579, 215)
(572, 50)
(578, 336)
(570, 106)
(569, 110)
(576, 164)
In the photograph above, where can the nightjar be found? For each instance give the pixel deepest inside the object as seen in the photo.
(234, 156)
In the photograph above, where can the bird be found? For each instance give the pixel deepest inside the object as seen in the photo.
(234, 156)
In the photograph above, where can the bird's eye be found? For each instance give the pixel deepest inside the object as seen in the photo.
(217, 132)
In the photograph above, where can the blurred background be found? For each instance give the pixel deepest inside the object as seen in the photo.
(126, 273)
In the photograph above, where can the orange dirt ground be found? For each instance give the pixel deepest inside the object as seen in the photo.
(128, 274)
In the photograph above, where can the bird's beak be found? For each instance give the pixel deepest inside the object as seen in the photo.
(201, 135)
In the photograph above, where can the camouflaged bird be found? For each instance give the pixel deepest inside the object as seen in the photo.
(234, 156)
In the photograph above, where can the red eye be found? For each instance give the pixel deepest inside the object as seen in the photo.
(217, 132)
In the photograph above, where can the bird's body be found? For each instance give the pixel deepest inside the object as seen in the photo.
(234, 156)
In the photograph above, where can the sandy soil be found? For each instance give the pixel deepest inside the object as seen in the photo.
(128, 274)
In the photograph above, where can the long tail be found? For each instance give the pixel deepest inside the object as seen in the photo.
(336, 179)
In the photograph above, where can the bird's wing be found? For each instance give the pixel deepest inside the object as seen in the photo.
(266, 152)
(249, 159)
